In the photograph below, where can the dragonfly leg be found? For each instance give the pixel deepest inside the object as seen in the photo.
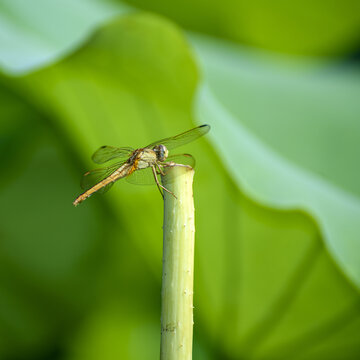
(159, 185)
(160, 169)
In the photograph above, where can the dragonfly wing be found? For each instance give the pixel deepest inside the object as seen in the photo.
(107, 153)
(142, 177)
(93, 177)
(182, 139)
(184, 159)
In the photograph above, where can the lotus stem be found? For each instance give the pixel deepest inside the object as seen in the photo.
(178, 265)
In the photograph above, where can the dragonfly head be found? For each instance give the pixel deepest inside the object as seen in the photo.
(161, 152)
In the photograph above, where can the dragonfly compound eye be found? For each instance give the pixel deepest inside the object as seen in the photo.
(161, 152)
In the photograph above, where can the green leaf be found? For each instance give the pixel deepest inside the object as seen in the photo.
(34, 34)
(47, 253)
(290, 138)
(299, 27)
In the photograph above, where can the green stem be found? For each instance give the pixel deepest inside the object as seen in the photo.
(178, 265)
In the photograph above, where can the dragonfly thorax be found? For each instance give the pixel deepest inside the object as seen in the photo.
(161, 152)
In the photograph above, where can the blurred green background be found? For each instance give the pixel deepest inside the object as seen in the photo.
(277, 194)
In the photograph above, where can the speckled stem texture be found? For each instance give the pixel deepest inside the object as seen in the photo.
(178, 266)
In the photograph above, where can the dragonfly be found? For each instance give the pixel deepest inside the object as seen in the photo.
(138, 166)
